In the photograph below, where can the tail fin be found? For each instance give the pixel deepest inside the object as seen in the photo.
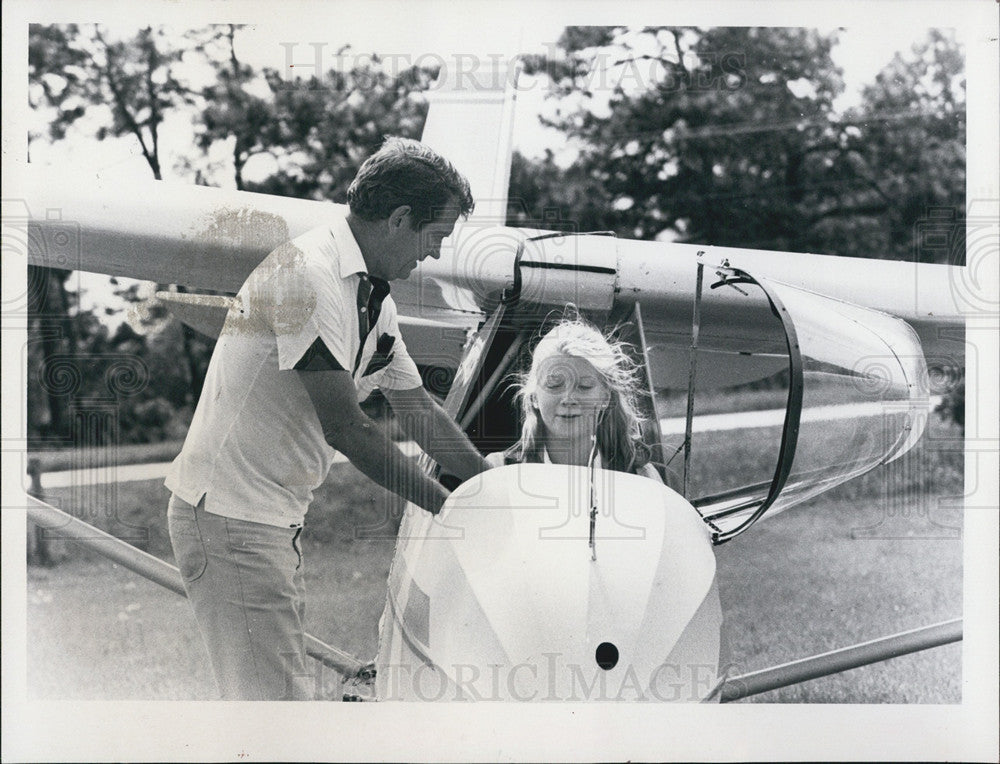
(471, 122)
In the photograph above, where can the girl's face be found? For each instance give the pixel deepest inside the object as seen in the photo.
(570, 397)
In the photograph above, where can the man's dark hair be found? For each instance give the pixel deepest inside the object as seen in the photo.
(406, 172)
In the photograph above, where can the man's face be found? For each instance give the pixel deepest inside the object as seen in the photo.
(410, 244)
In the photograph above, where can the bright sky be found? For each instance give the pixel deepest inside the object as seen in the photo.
(863, 50)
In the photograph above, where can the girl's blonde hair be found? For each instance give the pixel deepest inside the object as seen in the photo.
(619, 429)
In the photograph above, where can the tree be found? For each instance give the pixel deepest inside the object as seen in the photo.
(318, 131)
(913, 141)
(230, 110)
(52, 345)
(728, 136)
(80, 71)
(545, 195)
(714, 134)
(135, 79)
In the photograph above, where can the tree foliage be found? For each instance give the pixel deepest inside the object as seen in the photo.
(88, 385)
(729, 136)
(79, 70)
(913, 123)
(316, 131)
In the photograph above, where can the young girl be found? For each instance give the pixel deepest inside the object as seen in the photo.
(579, 395)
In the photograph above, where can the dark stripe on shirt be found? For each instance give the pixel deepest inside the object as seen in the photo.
(318, 358)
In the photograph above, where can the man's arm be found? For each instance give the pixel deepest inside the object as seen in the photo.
(347, 429)
(435, 432)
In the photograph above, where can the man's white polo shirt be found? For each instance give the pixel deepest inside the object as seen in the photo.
(255, 448)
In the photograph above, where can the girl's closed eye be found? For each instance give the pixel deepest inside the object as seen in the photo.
(554, 382)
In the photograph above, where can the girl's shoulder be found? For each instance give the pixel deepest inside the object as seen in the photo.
(649, 471)
(496, 459)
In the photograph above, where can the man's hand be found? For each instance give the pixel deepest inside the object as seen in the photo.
(347, 429)
(435, 432)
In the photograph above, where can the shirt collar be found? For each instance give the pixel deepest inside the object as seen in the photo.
(351, 259)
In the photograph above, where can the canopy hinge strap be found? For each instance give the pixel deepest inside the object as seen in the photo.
(692, 371)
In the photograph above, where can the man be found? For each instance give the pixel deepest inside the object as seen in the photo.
(311, 333)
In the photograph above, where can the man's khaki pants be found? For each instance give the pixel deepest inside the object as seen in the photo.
(246, 584)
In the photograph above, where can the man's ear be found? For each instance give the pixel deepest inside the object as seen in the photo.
(398, 216)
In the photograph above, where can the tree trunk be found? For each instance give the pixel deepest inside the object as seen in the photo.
(195, 375)
(53, 313)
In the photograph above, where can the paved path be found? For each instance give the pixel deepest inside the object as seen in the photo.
(775, 417)
(124, 473)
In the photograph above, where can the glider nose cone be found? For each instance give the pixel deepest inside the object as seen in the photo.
(501, 586)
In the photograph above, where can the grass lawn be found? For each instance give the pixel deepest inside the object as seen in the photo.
(98, 631)
(810, 580)
(875, 556)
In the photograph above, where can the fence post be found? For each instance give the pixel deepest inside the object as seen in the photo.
(39, 553)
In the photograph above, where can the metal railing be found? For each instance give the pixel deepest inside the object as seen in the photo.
(55, 521)
(843, 659)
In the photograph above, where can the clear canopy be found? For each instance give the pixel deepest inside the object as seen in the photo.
(857, 397)
(794, 393)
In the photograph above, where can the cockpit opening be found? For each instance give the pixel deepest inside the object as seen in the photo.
(761, 394)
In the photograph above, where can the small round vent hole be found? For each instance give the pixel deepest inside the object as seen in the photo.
(607, 656)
